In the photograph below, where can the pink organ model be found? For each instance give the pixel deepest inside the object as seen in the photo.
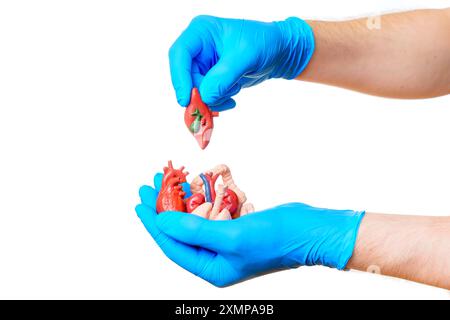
(222, 202)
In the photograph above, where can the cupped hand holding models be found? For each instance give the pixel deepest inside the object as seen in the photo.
(225, 252)
(291, 235)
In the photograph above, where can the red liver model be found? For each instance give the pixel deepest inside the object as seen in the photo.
(199, 119)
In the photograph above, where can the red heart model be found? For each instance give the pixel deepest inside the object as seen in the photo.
(171, 195)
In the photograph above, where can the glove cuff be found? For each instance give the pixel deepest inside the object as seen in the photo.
(349, 240)
(299, 48)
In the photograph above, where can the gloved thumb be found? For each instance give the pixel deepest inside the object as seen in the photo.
(222, 80)
(193, 230)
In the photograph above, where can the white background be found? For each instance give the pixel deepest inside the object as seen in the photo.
(88, 114)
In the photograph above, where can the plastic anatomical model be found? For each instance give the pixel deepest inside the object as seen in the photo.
(224, 202)
(171, 195)
(199, 119)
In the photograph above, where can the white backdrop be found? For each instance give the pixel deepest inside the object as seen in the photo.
(88, 114)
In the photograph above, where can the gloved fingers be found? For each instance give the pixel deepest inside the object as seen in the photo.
(223, 76)
(235, 89)
(226, 103)
(148, 196)
(197, 76)
(224, 106)
(181, 54)
(221, 272)
(187, 189)
(217, 236)
(189, 258)
(180, 71)
(148, 218)
(157, 181)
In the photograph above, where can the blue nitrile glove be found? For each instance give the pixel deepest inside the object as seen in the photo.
(226, 252)
(221, 56)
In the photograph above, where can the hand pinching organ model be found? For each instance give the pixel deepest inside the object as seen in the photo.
(224, 202)
(199, 119)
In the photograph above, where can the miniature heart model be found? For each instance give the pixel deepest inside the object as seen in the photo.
(199, 119)
(224, 203)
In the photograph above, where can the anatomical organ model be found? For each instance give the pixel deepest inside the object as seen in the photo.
(199, 119)
(225, 202)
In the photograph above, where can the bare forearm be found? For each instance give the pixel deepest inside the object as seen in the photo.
(407, 247)
(408, 56)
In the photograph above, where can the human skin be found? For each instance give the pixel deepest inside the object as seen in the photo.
(415, 248)
(407, 57)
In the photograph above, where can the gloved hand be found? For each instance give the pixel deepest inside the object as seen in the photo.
(226, 252)
(221, 56)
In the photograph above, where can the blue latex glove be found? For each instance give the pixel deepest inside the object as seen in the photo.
(226, 252)
(221, 56)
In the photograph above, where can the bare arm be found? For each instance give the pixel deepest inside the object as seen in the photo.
(408, 247)
(406, 55)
